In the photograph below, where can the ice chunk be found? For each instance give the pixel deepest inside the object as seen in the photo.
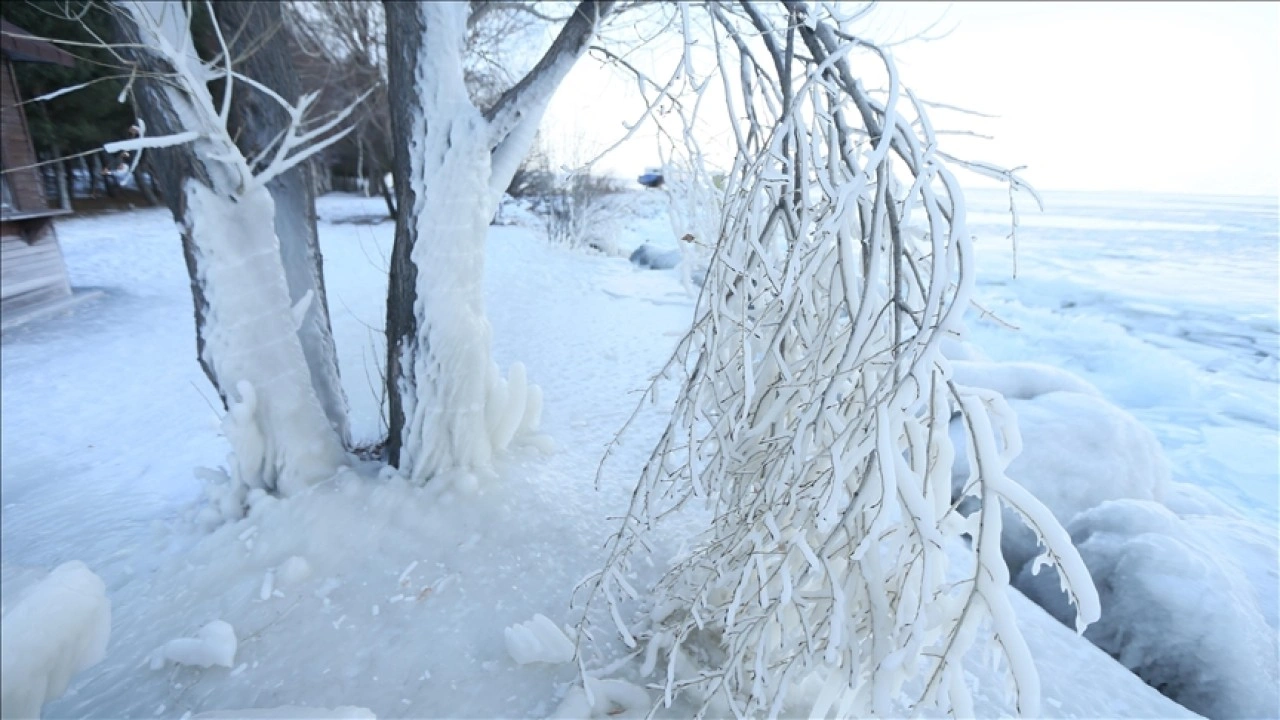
(57, 628)
(538, 640)
(605, 699)
(215, 644)
(293, 571)
(268, 585)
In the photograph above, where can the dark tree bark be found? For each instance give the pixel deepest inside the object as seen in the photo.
(405, 35)
(171, 166)
(509, 124)
(60, 177)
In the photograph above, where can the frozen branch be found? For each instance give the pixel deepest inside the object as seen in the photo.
(527, 98)
(812, 413)
(147, 143)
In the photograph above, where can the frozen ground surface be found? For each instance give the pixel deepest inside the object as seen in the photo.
(387, 598)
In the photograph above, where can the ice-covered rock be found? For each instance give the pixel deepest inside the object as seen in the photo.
(651, 258)
(215, 644)
(1078, 451)
(538, 640)
(58, 627)
(1176, 609)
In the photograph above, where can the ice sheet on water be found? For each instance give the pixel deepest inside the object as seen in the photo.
(1180, 328)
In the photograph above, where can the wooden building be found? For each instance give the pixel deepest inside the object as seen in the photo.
(32, 271)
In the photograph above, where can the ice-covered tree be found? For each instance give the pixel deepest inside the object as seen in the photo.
(226, 131)
(836, 574)
(450, 409)
(248, 233)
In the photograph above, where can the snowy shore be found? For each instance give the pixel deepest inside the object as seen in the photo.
(378, 596)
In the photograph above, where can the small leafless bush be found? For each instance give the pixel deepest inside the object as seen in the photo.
(576, 213)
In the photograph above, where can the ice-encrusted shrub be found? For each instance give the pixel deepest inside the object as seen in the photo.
(811, 416)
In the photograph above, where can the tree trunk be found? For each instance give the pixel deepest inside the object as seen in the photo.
(450, 410)
(364, 182)
(246, 331)
(438, 335)
(146, 185)
(95, 174)
(406, 33)
(256, 120)
(69, 171)
(387, 196)
(60, 178)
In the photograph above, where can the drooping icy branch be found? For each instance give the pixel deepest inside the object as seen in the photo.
(813, 414)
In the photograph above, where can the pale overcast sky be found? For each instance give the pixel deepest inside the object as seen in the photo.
(1159, 96)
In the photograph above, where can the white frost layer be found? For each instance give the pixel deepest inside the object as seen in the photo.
(459, 411)
(1176, 610)
(215, 644)
(290, 712)
(538, 640)
(59, 627)
(275, 423)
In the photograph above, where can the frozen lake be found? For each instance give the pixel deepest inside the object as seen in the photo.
(1169, 304)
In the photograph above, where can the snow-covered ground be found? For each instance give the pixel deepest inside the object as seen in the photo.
(365, 594)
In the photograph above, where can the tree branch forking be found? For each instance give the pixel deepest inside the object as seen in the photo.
(525, 99)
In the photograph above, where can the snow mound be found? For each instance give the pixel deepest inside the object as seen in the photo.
(538, 640)
(1019, 380)
(57, 628)
(1176, 610)
(1187, 499)
(215, 644)
(1079, 451)
(289, 712)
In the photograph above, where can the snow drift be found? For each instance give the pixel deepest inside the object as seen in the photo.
(1176, 610)
(1103, 474)
(58, 627)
